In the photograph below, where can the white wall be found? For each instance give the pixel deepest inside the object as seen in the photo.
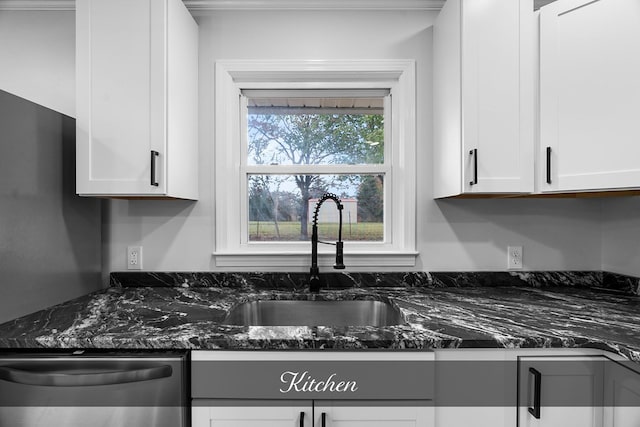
(556, 234)
(621, 235)
(452, 235)
(37, 57)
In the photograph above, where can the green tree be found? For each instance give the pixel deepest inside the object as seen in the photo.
(311, 139)
(259, 204)
(370, 199)
(264, 204)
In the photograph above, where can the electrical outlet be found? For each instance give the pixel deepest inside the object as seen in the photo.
(514, 257)
(134, 257)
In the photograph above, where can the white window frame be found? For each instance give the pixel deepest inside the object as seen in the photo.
(230, 192)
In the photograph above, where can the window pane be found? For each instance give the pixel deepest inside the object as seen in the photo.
(278, 211)
(315, 131)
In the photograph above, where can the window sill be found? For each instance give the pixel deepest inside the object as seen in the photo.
(299, 259)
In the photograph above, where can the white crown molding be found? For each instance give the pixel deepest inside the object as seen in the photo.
(208, 5)
(37, 5)
(314, 4)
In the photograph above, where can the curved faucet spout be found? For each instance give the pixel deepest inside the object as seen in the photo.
(314, 280)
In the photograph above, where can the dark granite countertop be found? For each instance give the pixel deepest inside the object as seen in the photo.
(191, 317)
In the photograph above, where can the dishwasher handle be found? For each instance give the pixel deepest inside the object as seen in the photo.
(60, 378)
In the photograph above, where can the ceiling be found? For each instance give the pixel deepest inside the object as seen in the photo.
(251, 4)
(261, 4)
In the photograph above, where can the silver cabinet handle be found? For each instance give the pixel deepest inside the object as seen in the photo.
(64, 378)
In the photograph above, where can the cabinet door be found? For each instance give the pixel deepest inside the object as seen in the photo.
(483, 97)
(253, 414)
(334, 413)
(497, 96)
(120, 68)
(622, 395)
(560, 391)
(589, 95)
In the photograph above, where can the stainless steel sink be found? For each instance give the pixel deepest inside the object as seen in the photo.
(314, 313)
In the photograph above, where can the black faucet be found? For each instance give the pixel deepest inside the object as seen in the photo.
(314, 279)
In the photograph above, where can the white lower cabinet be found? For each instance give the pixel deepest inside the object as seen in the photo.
(561, 391)
(535, 388)
(598, 390)
(337, 413)
(475, 387)
(323, 413)
(446, 388)
(312, 389)
(622, 394)
(258, 414)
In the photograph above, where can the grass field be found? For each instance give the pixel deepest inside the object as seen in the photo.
(290, 231)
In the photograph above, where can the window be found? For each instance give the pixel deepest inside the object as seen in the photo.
(324, 134)
(286, 132)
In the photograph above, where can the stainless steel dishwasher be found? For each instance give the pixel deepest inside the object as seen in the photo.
(97, 389)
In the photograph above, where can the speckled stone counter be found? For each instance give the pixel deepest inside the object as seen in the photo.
(442, 310)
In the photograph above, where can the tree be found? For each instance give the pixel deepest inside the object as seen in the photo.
(312, 139)
(263, 206)
(370, 199)
(259, 209)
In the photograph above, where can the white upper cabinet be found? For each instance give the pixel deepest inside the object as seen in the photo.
(589, 95)
(484, 97)
(136, 93)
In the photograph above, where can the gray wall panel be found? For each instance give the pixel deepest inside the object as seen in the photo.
(50, 239)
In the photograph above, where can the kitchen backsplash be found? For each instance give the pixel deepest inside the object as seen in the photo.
(620, 282)
(299, 281)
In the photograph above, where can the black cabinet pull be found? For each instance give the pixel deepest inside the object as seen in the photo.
(537, 383)
(474, 153)
(324, 419)
(302, 419)
(154, 154)
(548, 165)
